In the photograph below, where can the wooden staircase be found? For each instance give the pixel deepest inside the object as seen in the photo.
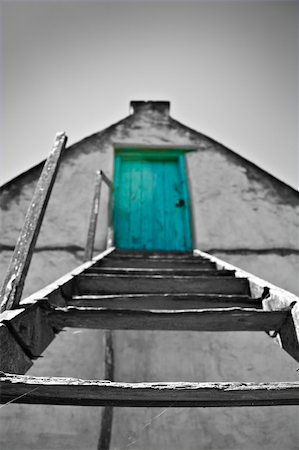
(138, 291)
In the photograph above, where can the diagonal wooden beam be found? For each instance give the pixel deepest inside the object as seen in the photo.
(64, 287)
(26, 331)
(274, 299)
(12, 288)
(93, 217)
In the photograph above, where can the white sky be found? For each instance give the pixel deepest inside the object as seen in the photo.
(229, 69)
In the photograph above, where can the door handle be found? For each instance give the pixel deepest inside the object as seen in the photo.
(180, 203)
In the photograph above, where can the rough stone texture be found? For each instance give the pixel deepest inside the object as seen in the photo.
(242, 214)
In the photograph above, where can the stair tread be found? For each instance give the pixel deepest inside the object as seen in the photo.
(172, 295)
(152, 276)
(208, 319)
(91, 283)
(157, 271)
(74, 391)
(282, 313)
(157, 257)
(154, 263)
(164, 301)
(153, 254)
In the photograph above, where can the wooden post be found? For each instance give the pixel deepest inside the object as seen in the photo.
(107, 414)
(107, 180)
(11, 290)
(93, 217)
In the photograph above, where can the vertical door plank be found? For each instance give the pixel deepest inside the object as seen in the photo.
(116, 203)
(147, 206)
(178, 211)
(135, 205)
(159, 206)
(186, 210)
(124, 207)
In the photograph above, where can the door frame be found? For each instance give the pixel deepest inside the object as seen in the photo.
(163, 153)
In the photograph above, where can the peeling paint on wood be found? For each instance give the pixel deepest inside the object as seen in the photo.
(12, 288)
(72, 391)
(226, 319)
(165, 301)
(113, 284)
(277, 299)
(30, 327)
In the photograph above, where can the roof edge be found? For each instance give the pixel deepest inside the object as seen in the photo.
(40, 165)
(239, 157)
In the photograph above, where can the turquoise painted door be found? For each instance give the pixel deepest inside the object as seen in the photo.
(151, 205)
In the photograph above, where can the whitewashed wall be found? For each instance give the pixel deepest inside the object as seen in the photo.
(240, 214)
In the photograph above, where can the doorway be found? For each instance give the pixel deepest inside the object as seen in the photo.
(151, 201)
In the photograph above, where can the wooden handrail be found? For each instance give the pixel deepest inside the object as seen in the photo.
(12, 288)
(107, 180)
(93, 217)
(89, 248)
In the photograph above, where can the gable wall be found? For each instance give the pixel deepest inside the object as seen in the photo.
(240, 214)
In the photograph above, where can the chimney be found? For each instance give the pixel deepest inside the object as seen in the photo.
(162, 107)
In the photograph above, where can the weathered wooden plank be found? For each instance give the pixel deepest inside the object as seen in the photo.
(288, 337)
(163, 271)
(12, 288)
(114, 284)
(165, 301)
(152, 263)
(110, 227)
(74, 391)
(93, 217)
(30, 327)
(31, 331)
(228, 319)
(13, 359)
(107, 413)
(107, 180)
(276, 300)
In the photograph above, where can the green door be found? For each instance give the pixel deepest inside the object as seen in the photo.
(151, 205)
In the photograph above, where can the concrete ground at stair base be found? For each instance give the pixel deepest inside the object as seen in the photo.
(206, 356)
(149, 356)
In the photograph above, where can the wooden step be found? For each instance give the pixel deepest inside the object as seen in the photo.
(152, 255)
(216, 319)
(149, 271)
(74, 391)
(155, 263)
(165, 301)
(135, 284)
